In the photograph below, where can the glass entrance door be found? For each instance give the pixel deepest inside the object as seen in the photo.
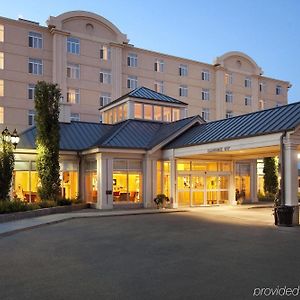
(197, 190)
(184, 190)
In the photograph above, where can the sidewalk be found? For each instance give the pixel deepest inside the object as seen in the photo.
(12, 227)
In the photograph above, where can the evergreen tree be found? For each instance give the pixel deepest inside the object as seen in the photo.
(46, 100)
(270, 176)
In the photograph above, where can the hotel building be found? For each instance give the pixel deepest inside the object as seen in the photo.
(93, 63)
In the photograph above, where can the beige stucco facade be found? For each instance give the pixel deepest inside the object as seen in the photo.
(92, 33)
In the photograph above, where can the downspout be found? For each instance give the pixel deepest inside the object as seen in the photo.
(282, 169)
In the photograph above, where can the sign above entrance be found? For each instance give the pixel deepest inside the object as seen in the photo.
(219, 149)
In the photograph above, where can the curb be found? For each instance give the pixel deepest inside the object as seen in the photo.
(8, 233)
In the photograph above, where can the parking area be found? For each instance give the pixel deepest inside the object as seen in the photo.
(205, 253)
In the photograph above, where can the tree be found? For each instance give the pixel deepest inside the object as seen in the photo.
(270, 176)
(7, 162)
(46, 100)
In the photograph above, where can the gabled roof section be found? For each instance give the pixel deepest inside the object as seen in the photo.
(275, 120)
(74, 136)
(147, 94)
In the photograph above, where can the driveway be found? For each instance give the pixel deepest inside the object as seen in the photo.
(205, 253)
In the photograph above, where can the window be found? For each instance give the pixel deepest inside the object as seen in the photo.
(1, 115)
(105, 98)
(167, 116)
(35, 66)
(73, 45)
(248, 100)
(175, 114)
(183, 91)
(1, 33)
(105, 52)
(262, 86)
(1, 88)
(75, 117)
(278, 90)
(105, 76)
(261, 104)
(205, 114)
(159, 65)
(229, 114)
(132, 60)
(138, 111)
(1, 60)
(228, 97)
(73, 95)
(228, 78)
(31, 114)
(205, 75)
(183, 70)
(31, 90)
(159, 86)
(35, 40)
(205, 94)
(132, 82)
(248, 82)
(157, 113)
(148, 113)
(73, 71)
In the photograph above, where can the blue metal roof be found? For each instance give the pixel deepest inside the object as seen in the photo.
(263, 122)
(148, 94)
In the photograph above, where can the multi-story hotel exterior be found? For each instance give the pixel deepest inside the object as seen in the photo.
(93, 64)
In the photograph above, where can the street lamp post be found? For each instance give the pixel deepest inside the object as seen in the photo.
(12, 138)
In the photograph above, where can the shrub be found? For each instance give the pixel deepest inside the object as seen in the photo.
(268, 197)
(63, 202)
(12, 206)
(46, 203)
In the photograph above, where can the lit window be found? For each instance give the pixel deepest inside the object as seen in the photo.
(132, 60)
(75, 117)
(73, 95)
(73, 45)
(138, 113)
(229, 114)
(205, 94)
(159, 65)
(105, 76)
(183, 70)
(31, 90)
(248, 82)
(1, 115)
(175, 114)
(228, 97)
(157, 113)
(261, 104)
(205, 75)
(228, 78)
(1, 33)
(167, 116)
(278, 90)
(73, 71)
(132, 82)
(205, 114)
(105, 98)
(183, 91)
(105, 52)
(35, 40)
(1, 88)
(148, 112)
(31, 114)
(35, 66)
(248, 100)
(159, 86)
(1, 60)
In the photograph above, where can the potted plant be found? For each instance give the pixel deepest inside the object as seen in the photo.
(161, 200)
(283, 214)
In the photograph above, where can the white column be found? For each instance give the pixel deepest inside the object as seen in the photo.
(104, 182)
(253, 181)
(173, 183)
(220, 93)
(291, 178)
(148, 183)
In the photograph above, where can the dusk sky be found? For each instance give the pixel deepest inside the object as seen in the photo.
(266, 30)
